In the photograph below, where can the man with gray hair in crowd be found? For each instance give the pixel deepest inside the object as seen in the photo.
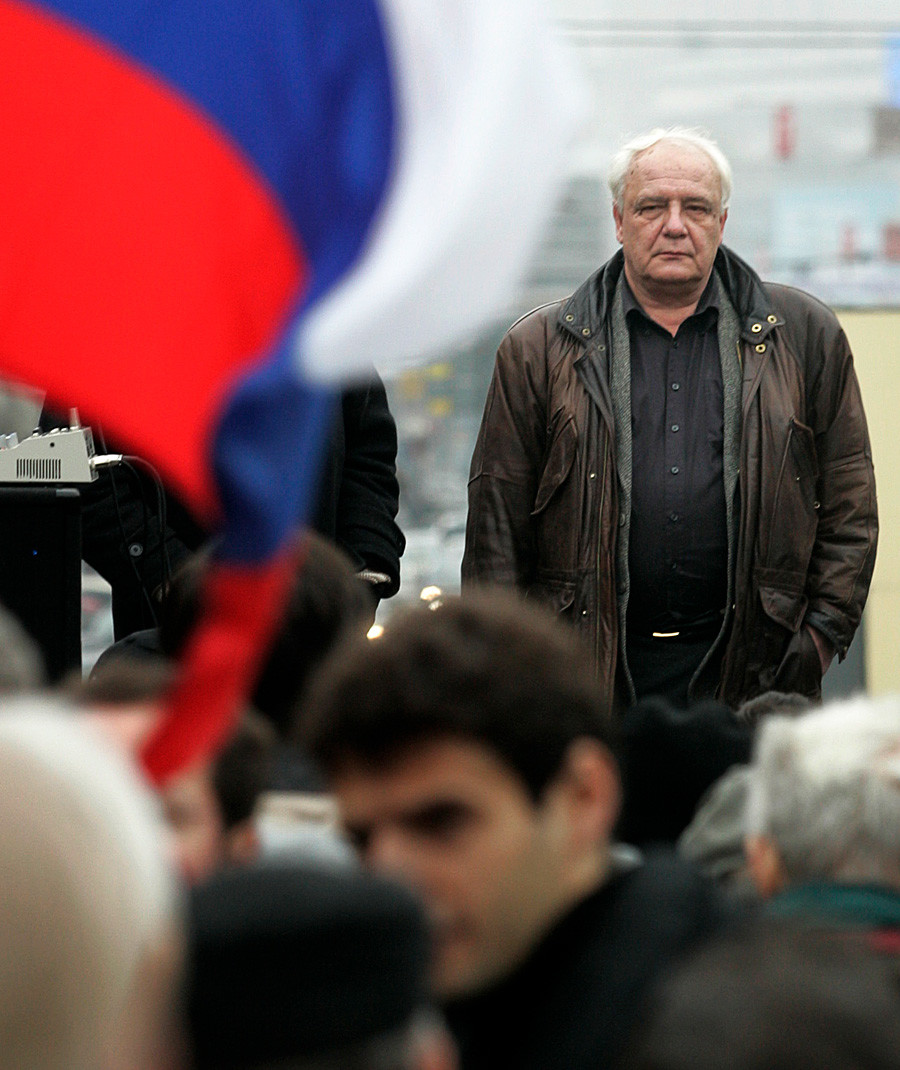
(823, 817)
(90, 941)
(675, 458)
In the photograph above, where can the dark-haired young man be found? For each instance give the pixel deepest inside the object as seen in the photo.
(469, 760)
(210, 808)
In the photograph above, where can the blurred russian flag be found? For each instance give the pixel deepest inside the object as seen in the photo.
(214, 213)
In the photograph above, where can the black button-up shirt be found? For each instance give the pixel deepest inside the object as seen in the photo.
(678, 544)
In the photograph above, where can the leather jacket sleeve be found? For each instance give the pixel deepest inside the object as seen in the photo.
(507, 462)
(843, 557)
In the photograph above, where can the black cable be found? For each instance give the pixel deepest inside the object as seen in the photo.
(138, 568)
(129, 461)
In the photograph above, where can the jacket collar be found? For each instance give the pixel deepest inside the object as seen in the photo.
(868, 905)
(586, 311)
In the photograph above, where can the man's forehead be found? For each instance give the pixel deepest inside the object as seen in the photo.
(671, 164)
(420, 773)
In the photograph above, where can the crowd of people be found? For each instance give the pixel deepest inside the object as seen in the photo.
(588, 813)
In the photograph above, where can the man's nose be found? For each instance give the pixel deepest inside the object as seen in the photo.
(388, 851)
(674, 219)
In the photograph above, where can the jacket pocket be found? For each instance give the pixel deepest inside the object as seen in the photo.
(792, 516)
(555, 516)
(558, 465)
(800, 670)
(782, 597)
(556, 595)
(779, 658)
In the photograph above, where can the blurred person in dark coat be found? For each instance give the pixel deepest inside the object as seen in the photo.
(774, 998)
(470, 759)
(357, 507)
(298, 968)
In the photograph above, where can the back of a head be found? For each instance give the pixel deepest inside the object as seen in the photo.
(87, 896)
(825, 790)
(327, 597)
(775, 998)
(295, 966)
(486, 666)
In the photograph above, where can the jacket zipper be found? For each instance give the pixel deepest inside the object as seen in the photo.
(599, 563)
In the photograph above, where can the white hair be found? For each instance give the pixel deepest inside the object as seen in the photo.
(85, 889)
(825, 788)
(623, 161)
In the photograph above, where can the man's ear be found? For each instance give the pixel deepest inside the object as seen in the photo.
(617, 217)
(764, 865)
(591, 789)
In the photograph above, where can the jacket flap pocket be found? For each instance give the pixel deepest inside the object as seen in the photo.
(782, 597)
(559, 463)
(557, 595)
(803, 445)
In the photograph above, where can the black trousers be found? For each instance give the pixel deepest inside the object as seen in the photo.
(665, 666)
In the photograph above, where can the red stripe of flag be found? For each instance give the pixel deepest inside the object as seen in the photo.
(137, 243)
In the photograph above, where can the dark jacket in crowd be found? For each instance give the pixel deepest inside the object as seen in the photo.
(574, 1002)
(358, 502)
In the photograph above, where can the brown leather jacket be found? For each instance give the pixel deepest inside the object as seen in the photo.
(544, 492)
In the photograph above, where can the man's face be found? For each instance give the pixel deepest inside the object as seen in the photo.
(671, 222)
(452, 821)
(199, 841)
(195, 818)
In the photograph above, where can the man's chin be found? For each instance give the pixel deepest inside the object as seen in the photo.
(678, 271)
(456, 974)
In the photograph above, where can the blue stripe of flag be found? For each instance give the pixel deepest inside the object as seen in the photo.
(303, 87)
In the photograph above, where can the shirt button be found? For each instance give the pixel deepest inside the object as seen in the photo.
(675, 427)
(673, 517)
(674, 567)
(676, 386)
(675, 343)
(674, 469)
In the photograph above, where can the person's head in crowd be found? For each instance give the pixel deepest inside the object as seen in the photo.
(714, 839)
(327, 598)
(670, 756)
(90, 941)
(298, 968)
(469, 759)
(21, 666)
(775, 999)
(210, 807)
(824, 802)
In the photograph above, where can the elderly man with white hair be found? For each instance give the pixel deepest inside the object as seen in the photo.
(823, 816)
(90, 944)
(675, 458)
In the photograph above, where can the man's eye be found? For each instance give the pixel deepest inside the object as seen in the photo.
(359, 839)
(441, 822)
